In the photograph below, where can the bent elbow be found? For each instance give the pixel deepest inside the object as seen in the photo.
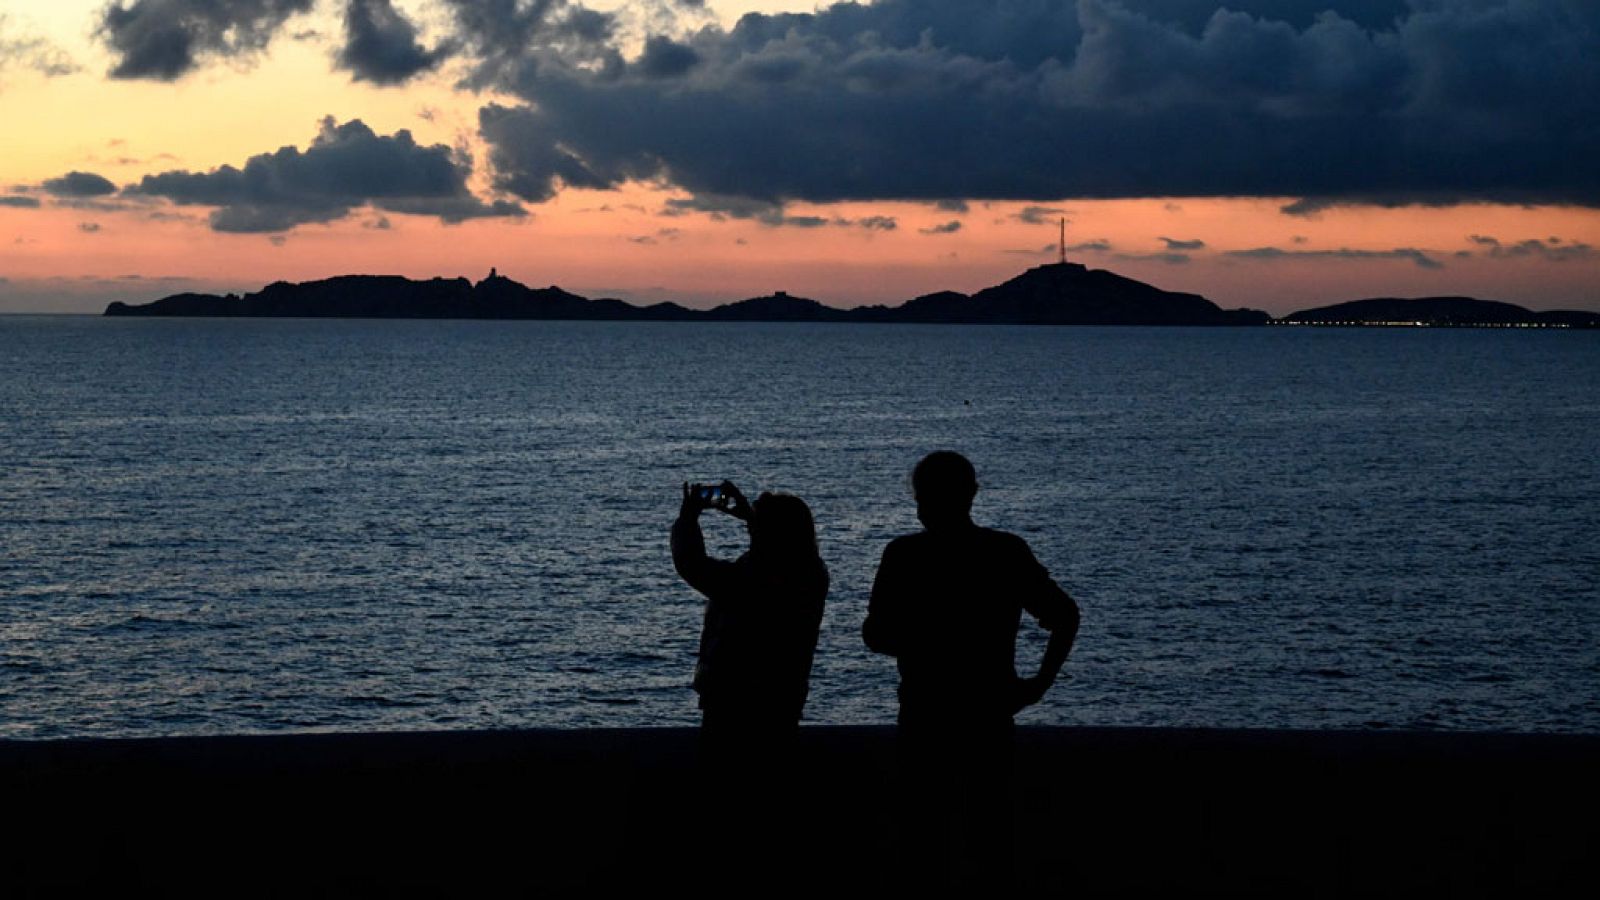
(877, 641)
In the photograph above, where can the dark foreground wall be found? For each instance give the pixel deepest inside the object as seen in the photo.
(1099, 812)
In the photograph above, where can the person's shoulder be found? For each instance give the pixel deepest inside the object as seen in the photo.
(906, 546)
(1004, 541)
(907, 541)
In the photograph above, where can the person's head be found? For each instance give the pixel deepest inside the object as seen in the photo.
(781, 525)
(945, 484)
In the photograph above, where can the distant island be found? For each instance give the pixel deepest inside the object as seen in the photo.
(1439, 312)
(1061, 293)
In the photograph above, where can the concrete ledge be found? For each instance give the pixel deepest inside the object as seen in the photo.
(1100, 812)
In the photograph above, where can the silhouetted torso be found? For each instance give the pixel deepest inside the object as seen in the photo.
(760, 631)
(947, 604)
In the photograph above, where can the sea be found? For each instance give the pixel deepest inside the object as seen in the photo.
(269, 525)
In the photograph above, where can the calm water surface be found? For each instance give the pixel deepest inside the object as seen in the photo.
(260, 525)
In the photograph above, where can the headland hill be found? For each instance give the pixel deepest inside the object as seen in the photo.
(1062, 293)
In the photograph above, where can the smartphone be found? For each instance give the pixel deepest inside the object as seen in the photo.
(710, 494)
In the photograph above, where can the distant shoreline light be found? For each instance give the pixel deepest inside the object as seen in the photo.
(1358, 323)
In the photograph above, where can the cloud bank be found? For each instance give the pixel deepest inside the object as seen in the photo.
(1418, 257)
(1335, 101)
(345, 167)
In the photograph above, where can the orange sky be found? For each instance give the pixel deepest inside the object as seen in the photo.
(61, 257)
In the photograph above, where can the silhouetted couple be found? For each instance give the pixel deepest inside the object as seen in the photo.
(946, 603)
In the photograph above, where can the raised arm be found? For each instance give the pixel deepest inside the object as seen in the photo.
(703, 573)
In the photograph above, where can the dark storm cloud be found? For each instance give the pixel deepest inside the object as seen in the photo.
(666, 58)
(346, 166)
(18, 202)
(1429, 101)
(1553, 249)
(165, 39)
(79, 184)
(1419, 257)
(381, 44)
(515, 41)
(1175, 244)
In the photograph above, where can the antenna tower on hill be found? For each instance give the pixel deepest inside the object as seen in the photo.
(1061, 245)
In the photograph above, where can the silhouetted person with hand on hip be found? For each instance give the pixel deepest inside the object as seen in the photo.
(947, 604)
(762, 617)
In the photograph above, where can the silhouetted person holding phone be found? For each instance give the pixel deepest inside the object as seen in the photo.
(762, 616)
(947, 604)
(763, 610)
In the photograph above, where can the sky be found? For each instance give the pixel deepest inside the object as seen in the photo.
(1275, 154)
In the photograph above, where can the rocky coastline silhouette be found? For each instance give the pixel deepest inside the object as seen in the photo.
(1054, 294)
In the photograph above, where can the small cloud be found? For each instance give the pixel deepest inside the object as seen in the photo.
(1100, 245)
(1298, 239)
(381, 45)
(20, 202)
(1175, 244)
(1306, 207)
(950, 227)
(722, 208)
(1172, 207)
(952, 205)
(662, 234)
(878, 223)
(1171, 259)
(89, 227)
(381, 223)
(1039, 215)
(32, 52)
(79, 184)
(1551, 249)
(277, 240)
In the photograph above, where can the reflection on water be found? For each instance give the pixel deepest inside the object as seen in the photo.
(252, 525)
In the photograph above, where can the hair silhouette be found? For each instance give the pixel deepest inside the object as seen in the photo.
(782, 528)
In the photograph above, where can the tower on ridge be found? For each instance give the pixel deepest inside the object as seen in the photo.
(1061, 245)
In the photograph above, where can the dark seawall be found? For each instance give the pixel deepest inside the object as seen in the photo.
(1099, 812)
